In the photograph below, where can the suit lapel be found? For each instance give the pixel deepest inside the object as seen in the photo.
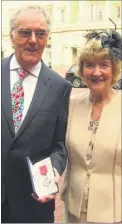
(6, 94)
(41, 90)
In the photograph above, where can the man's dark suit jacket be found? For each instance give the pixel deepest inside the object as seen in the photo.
(41, 134)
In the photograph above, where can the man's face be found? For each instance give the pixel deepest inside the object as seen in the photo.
(29, 38)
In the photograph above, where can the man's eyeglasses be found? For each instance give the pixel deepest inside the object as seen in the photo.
(27, 33)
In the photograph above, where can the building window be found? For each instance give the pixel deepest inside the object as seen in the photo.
(2, 54)
(96, 12)
(50, 12)
(48, 46)
(74, 12)
(62, 15)
(48, 53)
(118, 12)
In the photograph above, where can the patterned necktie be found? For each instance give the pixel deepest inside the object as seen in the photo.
(17, 97)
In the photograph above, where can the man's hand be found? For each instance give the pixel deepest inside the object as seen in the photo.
(48, 197)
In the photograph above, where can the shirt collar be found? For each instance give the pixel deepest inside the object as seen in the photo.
(35, 70)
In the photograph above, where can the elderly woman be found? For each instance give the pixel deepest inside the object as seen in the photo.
(92, 189)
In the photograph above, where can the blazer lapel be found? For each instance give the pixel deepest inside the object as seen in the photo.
(6, 94)
(38, 97)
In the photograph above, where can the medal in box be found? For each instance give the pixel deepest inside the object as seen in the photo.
(42, 177)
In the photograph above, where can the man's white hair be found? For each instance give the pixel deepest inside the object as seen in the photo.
(35, 8)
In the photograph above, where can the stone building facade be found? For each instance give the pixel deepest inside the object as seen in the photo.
(71, 20)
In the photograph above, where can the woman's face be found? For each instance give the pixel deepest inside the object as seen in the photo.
(98, 74)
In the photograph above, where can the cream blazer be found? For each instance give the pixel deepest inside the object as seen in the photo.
(105, 189)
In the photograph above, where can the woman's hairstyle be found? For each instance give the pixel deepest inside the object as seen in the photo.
(102, 45)
(35, 8)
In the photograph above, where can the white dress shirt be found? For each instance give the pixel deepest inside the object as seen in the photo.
(29, 83)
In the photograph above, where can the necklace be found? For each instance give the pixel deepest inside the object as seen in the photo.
(93, 125)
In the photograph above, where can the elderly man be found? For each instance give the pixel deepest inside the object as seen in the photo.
(34, 118)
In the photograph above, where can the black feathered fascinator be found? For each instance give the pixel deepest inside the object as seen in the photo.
(111, 40)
